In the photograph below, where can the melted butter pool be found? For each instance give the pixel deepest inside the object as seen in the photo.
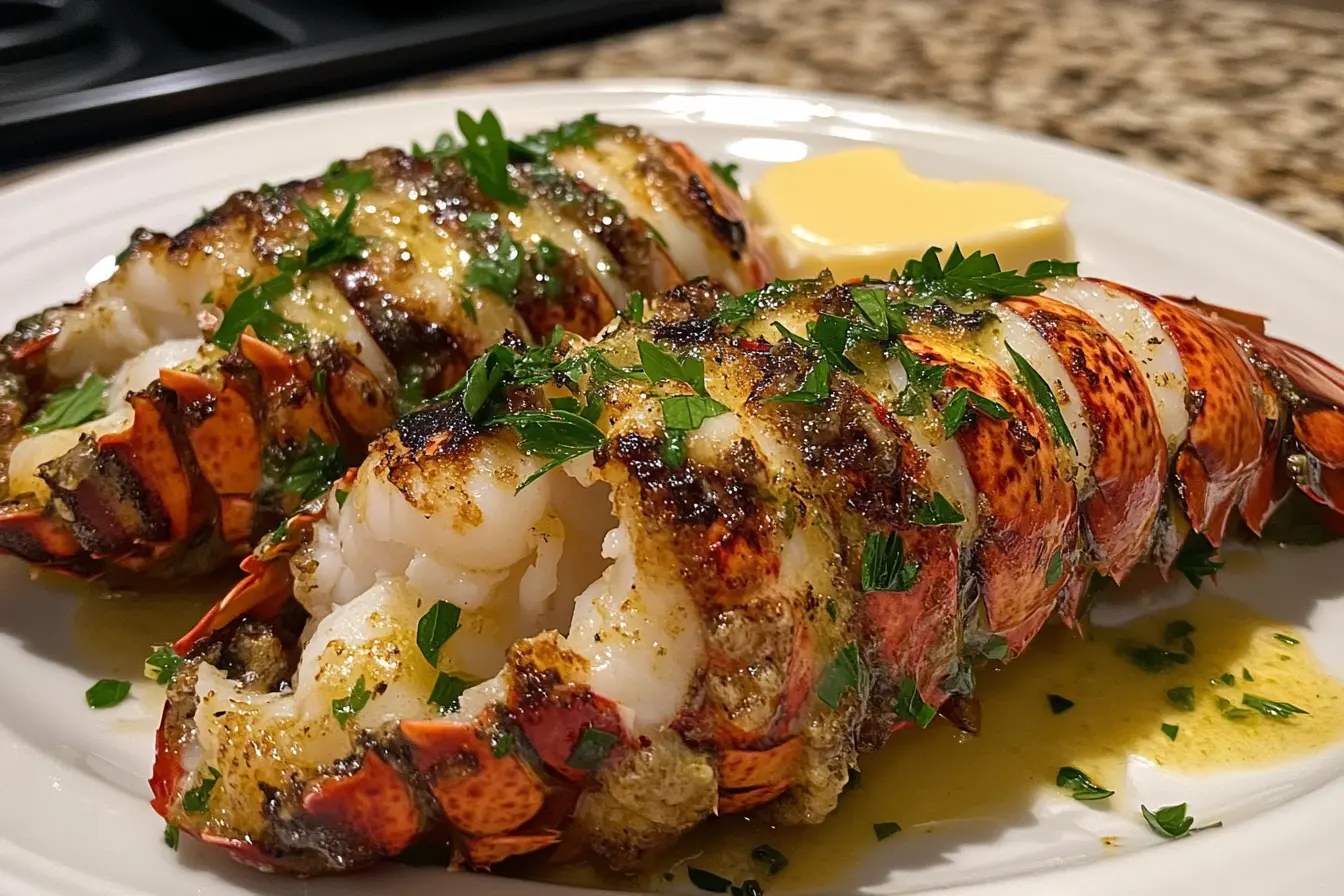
(924, 780)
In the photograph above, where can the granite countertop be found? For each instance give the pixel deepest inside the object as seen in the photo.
(1247, 97)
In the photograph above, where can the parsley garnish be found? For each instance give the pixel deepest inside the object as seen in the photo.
(1272, 708)
(816, 387)
(921, 381)
(1228, 679)
(447, 691)
(884, 829)
(499, 270)
(70, 407)
(1054, 568)
(1182, 697)
(954, 415)
(341, 177)
(1151, 658)
(909, 706)
(251, 307)
(313, 471)
(1081, 785)
(1286, 639)
(445, 146)
(1040, 270)
(727, 173)
(171, 836)
(938, 512)
(501, 744)
(735, 309)
(196, 800)
(1176, 630)
(773, 860)
(965, 277)
(341, 495)
(479, 220)
(689, 411)
(634, 309)
(1195, 559)
(877, 319)
(1246, 674)
(438, 624)
(660, 364)
(842, 674)
(708, 880)
(995, 647)
(485, 157)
(832, 608)
(591, 749)
(332, 241)
(1171, 821)
(883, 566)
(106, 693)
(1232, 713)
(343, 708)
(162, 664)
(1059, 704)
(1045, 398)
(580, 132)
(1170, 730)
(556, 435)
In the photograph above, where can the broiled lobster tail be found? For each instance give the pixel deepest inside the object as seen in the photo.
(830, 503)
(328, 307)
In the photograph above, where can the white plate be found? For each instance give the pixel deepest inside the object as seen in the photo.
(73, 813)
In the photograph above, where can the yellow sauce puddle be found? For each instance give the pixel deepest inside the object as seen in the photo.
(924, 779)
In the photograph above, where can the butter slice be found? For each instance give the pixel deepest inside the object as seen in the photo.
(862, 211)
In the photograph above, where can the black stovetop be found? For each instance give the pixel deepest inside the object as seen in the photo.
(76, 73)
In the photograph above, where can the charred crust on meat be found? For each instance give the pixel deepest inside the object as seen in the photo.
(447, 423)
(730, 230)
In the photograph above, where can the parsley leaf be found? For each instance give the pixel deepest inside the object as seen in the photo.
(1272, 708)
(1151, 658)
(436, 626)
(1286, 639)
(162, 664)
(634, 309)
(1171, 821)
(875, 313)
(921, 381)
(689, 411)
(445, 146)
(1059, 704)
(106, 693)
(884, 567)
(727, 173)
(909, 706)
(1040, 270)
(830, 336)
(499, 270)
(1195, 559)
(1080, 785)
(843, 673)
(674, 448)
(1182, 697)
(580, 132)
(345, 708)
(965, 276)
(556, 435)
(708, 880)
(171, 836)
(884, 829)
(447, 691)
(1045, 398)
(251, 307)
(1054, 569)
(340, 177)
(954, 415)
(485, 157)
(816, 387)
(333, 241)
(735, 309)
(1170, 730)
(773, 860)
(591, 749)
(313, 471)
(938, 512)
(660, 364)
(196, 800)
(995, 647)
(70, 407)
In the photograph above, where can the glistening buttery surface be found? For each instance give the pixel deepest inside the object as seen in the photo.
(1247, 97)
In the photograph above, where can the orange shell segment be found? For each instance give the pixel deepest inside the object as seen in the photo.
(746, 800)
(741, 769)
(374, 802)
(147, 447)
(485, 851)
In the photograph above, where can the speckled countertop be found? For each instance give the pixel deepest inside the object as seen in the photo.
(1247, 97)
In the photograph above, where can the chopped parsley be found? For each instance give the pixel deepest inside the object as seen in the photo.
(909, 706)
(591, 749)
(727, 173)
(445, 147)
(480, 220)
(162, 664)
(106, 693)
(708, 880)
(345, 708)
(1170, 730)
(674, 448)
(333, 241)
(733, 309)
(1039, 270)
(341, 495)
(536, 147)
(687, 412)
(1182, 697)
(70, 407)
(1059, 704)
(171, 836)
(447, 691)
(921, 381)
(1195, 559)
(1055, 568)
(1080, 785)
(634, 309)
(499, 270)
(1228, 679)
(197, 800)
(485, 157)
(938, 512)
(501, 744)
(659, 364)
(1151, 658)
(1232, 712)
(314, 471)
(995, 647)
(968, 276)
(556, 435)
(884, 829)
(883, 565)
(438, 624)
(1274, 709)
(340, 177)
(954, 414)
(1176, 630)
(878, 320)
(1171, 822)
(1286, 639)
(1045, 398)
(1246, 674)
(844, 673)
(773, 860)
(816, 387)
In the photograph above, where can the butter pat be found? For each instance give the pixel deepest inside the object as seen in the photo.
(862, 211)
